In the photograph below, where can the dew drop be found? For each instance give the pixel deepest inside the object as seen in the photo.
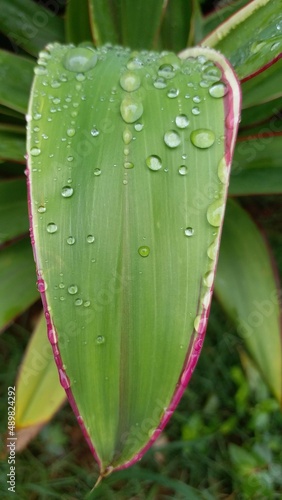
(78, 302)
(72, 289)
(172, 93)
(138, 127)
(202, 138)
(80, 59)
(212, 250)
(172, 139)
(154, 162)
(94, 132)
(41, 286)
(97, 172)
(182, 121)
(90, 238)
(189, 231)
(70, 132)
(222, 171)
(183, 170)
(70, 158)
(196, 99)
(41, 209)
(67, 191)
(218, 90)
(144, 251)
(100, 339)
(86, 303)
(134, 63)
(35, 151)
(40, 70)
(52, 227)
(208, 278)
(71, 240)
(160, 83)
(128, 164)
(215, 213)
(130, 81)
(195, 111)
(212, 73)
(127, 136)
(80, 77)
(166, 71)
(131, 109)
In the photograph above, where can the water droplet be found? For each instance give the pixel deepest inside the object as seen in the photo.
(222, 171)
(72, 289)
(202, 138)
(196, 99)
(138, 127)
(212, 73)
(78, 302)
(172, 138)
(52, 227)
(71, 240)
(40, 70)
(154, 162)
(41, 285)
(183, 170)
(166, 71)
(94, 132)
(97, 171)
(127, 136)
(134, 63)
(41, 209)
(79, 77)
(86, 303)
(189, 231)
(198, 323)
(182, 121)
(215, 213)
(212, 250)
(37, 116)
(70, 158)
(172, 93)
(131, 109)
(35, 151)
(195, 111)
(208, 278)
(144, 251)
(218, 90)
(100, 339)
(80, 59)
(67, 191)
(90, 238)
(130, 81)
(128, 164)
(124, 182)
(70, 132)
(160, 83)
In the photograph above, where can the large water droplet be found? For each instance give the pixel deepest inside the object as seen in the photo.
(35, 151)
(189, 231)
(100, 339)
(67, 191)
(215, 213)
(182, 121)
(202, 138)
(80, 59)
(172, 138)
(218, 90)
(144, 251)
(130, 81)
(52, 227)
(73, 289)
(183, 170)
(131, 109)
(154, 162)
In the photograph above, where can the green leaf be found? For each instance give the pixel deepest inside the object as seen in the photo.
(39, 393)
(176, 25)
(221, 14)
(29, 25)
(105, 21)
(13, 209)
(17, 281)
(12, 143)
(260, 113)
(246, 286)
(125, 250)
(265, 87)
(16, 75)
(256, 166)
(77, 22)
(251, 38)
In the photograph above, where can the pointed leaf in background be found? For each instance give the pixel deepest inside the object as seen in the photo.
(251, 39)
(39, 393)
(13, 209)
(249, 293)
(12, 143)
(125, 239)
(77, 22)
(18, 281)
(16, 75)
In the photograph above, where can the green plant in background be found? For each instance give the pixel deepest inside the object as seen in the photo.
(128, 152)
